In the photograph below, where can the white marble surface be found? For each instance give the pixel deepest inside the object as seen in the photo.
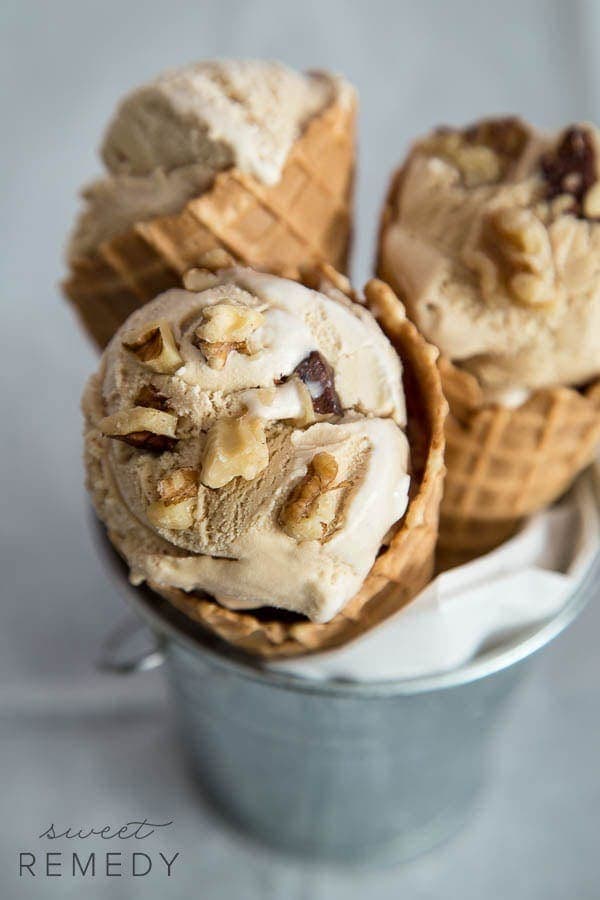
(83, 748)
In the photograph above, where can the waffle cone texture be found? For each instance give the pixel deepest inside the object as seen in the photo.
(405, 564)
(503, 464)
(306, 217)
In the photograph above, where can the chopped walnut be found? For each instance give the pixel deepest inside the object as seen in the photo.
(571, 169)
(482, 153)
(310, 510)
(178, 496)
(176, 516)
(155, 347)
(151, 397)
(228, 322)
(226, 327)
(234, 447)
(477, 164)
(142, 427)
(517, 242)
(216, 259)
(507, 136)
(199, 279)
(180, 484)
(216, 354)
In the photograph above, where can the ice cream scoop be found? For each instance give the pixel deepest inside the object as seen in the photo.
(246, 156)
(245, 439)
(169, 138)
(491, 234)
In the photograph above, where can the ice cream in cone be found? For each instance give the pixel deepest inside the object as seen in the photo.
(250, 157)
(266, 459)
(491, 236)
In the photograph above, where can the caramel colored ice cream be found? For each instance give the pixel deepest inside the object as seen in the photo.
(169, 138)
(492, 237)
(245, 439)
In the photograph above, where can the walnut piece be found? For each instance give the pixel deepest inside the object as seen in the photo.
(142, 427)
(176, 516)
(217, 353)
(506, 136)
(477, 164)
(519, 244)
(215, 259)
(228, 322)
(180, 484)
(482, 153)
(234, 447)
(310, 510)
(155, 347)
(178, 492)
(152, 398)
(199, 279)
(226, 327)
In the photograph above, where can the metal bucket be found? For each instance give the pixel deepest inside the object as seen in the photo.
(338, 769)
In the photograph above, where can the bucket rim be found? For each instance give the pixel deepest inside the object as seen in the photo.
(488, 663)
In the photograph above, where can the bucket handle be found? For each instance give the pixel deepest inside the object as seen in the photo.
(113, 657)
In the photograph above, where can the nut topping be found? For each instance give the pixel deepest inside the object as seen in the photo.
(178, 495)
(571, 168)
(477, 164)
(319, 378)
(518, 242)
(311, 507)
(155, 347)
(142, 427)
(228, 322)
(482, 153)
(226, 327)
(199, 279)
(507, 136)
(176, 516)
(180, 484)
(151, 397)
(234, 447)
(215, 259)
(216, 353)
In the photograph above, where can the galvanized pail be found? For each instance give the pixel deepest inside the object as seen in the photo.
(337, 769)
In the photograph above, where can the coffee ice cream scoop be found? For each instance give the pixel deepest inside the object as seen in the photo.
(169, 138)
(491, 234)
(245, 439)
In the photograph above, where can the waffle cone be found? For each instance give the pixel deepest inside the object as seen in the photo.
(304, 218)
(504, 464)
(405, 564)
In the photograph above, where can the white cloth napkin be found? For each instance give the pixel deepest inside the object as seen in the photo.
(465, 610)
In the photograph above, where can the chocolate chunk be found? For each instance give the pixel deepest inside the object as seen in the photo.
(147, 440)
(571, 167)
(151, 398)
(319, 378)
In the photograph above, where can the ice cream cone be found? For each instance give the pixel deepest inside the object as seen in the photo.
(405, 563)
(503, 463)
(305, 217)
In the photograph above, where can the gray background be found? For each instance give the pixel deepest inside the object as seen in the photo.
(80, 748)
